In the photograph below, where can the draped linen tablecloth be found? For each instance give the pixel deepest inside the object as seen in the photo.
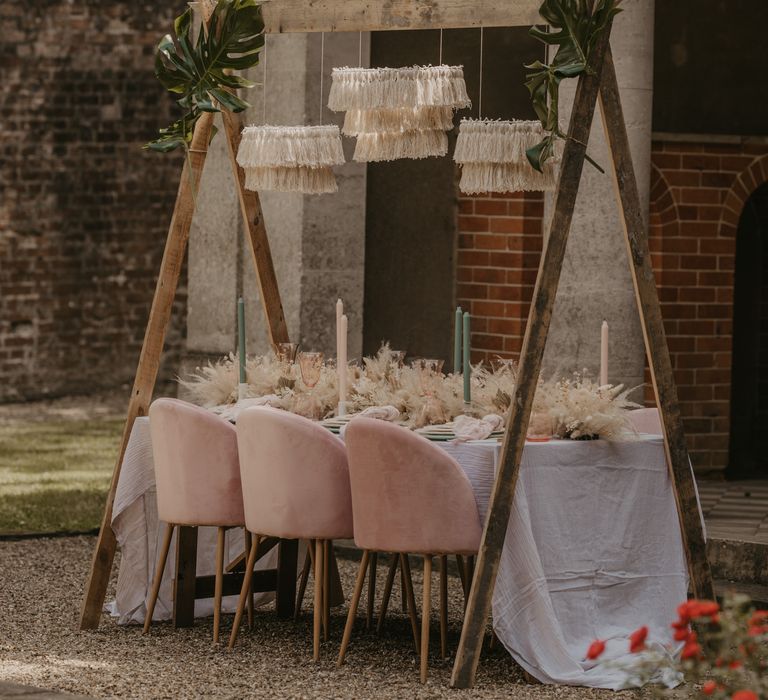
(139, 534)
(593, 551)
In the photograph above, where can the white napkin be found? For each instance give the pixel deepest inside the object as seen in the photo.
(466, 428)
(388, 413)
(232, 411)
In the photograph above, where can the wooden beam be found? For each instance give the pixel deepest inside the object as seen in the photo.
(149, 359)
(539, 317)
(656, 348)
(250, 207)
(373, 15)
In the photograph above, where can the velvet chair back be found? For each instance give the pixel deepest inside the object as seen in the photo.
(295, 476)
(408, 495)
(197, 470)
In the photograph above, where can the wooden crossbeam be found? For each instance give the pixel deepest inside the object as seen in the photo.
(539, 317)
(373, 15)
(656, 348)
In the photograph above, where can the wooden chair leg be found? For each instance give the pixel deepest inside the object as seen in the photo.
(327, 545)
(248, 538)
(161, 560)
(372, 565)
(219, 584)
(318, 610)
(403, 596)
(444, 606)
(387, 592)
(408, 586)
(245, 591)
(463, 576)
(425, 610)
(303, 581)
(353, 607)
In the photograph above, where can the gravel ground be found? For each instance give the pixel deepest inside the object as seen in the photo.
(40, 645)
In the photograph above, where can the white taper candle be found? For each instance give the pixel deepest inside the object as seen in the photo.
(604, 354)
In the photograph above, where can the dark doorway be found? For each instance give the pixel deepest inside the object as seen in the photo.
(749, 376)
(411, 205)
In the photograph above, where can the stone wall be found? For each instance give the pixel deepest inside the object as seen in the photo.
(84, 211)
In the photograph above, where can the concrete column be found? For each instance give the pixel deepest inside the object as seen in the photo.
(317, 242)
(596, 282)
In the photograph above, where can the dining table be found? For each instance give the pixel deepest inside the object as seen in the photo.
(593, 551)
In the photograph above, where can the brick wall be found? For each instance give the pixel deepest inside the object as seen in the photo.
(84, 211)
(500, 239)
(698, 191)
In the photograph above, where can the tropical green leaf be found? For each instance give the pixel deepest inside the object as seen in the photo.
(574, 31)
(200, 70)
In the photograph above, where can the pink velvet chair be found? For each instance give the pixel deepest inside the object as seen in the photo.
(197, 473)
(646, 420)
(408, 496)
(295, 486)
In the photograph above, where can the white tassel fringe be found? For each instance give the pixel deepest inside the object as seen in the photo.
(396, 145)
(392, 88)
(292, 179)
(478, 178)
(492, 157)
(487, 141)
(369, 121)
(290, 146)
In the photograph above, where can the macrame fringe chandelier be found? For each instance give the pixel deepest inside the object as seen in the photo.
(291, 158)
(492, 157)
(398, 112)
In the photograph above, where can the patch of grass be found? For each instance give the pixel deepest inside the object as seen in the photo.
(54, 475)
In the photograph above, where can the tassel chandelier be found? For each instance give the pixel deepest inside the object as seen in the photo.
(394, 113)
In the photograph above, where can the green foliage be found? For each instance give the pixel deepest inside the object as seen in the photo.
(200, 71)
(575, 31)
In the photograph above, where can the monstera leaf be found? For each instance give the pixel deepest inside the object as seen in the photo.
(200, 71)
(575, 30)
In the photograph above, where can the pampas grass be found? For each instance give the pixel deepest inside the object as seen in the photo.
(578, 407)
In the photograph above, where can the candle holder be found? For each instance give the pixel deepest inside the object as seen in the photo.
(242, 391)
(341, 409)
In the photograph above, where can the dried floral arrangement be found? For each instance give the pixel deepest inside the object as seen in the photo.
(577, 406)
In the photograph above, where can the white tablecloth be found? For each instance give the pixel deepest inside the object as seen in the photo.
(593, 551)
(135, 524)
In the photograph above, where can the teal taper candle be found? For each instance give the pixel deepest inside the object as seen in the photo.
(457, 342)
(467, 368)
(241, 337)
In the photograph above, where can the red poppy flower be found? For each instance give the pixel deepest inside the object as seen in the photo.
(734, 665)
(691, 650)
(758, 617)
(744, 695)
(709, 687)
(681, 635)
(595, 649)
(707, 608)
(755, 631)
(680, 625)
(637, 639)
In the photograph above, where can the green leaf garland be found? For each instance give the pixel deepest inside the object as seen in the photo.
(575, 31)
(200, 71)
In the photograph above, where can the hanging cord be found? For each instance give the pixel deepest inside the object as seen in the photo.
(322, 71)
(480, 96)
(264, 83)
(360, 51)
(440, 61)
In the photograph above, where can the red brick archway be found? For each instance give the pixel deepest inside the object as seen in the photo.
(698, 192)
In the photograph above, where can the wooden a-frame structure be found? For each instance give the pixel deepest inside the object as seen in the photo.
(366, 15)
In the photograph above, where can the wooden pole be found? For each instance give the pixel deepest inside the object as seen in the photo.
(539, 317)
(149, 359)
(656, 348)
(250, 206)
